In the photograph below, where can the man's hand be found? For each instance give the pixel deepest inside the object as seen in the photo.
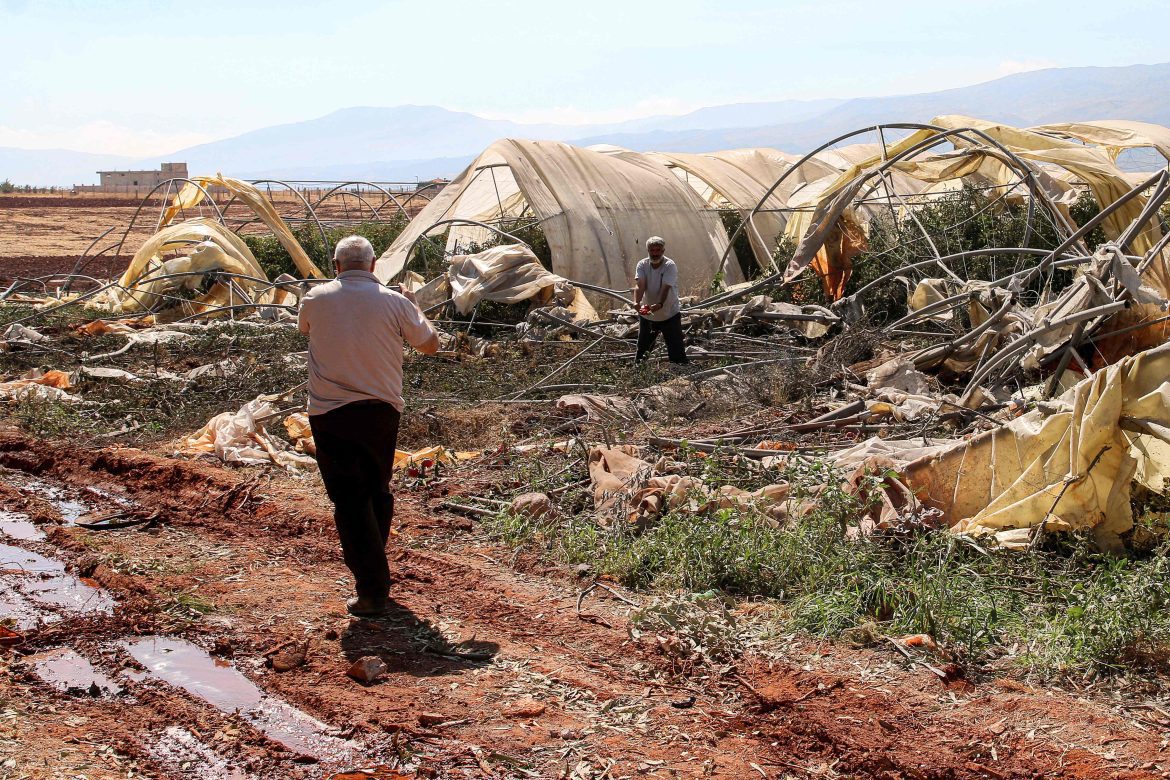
(430, 346)
(408, 295)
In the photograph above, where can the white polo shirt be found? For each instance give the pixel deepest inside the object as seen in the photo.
(356, 327)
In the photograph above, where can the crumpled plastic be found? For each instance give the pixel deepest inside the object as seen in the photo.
(240, 437)
(606, 408)
(510, 273)
(256, 200)
(763, 307)
(436, 454)
(1066, 465)
(301, 433)
(20, 335)
(622, 481)
(44, 385)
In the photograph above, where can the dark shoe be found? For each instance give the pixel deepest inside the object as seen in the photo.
(366, 606)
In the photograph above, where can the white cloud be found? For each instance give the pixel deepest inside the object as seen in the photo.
(101, 137)
(1008, 67)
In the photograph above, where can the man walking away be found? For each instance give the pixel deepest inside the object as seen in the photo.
(656, 296)
(356, 328)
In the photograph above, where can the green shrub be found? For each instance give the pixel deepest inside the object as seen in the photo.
(275, 259)
(1069, 607)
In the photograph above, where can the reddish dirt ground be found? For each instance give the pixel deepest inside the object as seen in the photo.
(492, 671)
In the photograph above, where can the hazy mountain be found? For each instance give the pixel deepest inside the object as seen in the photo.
(56, 166)
(408, 142)
(357, 136)
(1023, 99)
(352, 138)
(391, 170)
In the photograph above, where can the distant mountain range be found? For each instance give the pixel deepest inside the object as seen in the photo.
(408, 142)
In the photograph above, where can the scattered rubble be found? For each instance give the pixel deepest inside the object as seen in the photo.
(367, 669)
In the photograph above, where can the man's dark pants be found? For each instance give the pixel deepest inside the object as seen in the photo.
(355, 453)
(672, 334)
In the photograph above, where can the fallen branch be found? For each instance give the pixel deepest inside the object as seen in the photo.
(1069, 481)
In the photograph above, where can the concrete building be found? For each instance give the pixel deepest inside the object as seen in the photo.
(136, 181)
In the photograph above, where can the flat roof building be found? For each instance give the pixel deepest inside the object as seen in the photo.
(126, 181)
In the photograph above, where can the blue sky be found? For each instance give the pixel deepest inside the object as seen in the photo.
(136, 77)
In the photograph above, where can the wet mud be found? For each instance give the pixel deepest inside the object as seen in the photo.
(490, 671)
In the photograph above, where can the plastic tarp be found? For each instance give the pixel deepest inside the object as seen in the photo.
(832, 216)
(740, 178)
(43, 385)
(596, 211)
(624, 482)
(210, 246)
(256, 200)
(240, 437)
(1067, 465)
(510, 273)
(1114, 135)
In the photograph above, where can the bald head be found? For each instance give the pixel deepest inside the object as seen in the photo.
(353, 253)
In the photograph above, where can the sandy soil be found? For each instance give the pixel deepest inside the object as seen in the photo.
(492, 669)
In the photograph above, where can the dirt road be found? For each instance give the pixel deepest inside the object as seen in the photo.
(492, 670)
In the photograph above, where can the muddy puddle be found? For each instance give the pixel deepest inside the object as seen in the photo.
(35, 589)
(72, 504)
(71, 673)
(187, 666)
(15, 525)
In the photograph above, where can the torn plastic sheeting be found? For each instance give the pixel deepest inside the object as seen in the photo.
(16, 334)
(740, 178)
(623, 481)
(596, 211)
(255, 200)
(606, 408)
(44, 385)
(99, 372)
(1068, 465)
(239, 437)
(299, 430)
(102, 327)
(211, 247)
(1114, 135)
(898, 373)
(437, 454)
(813, 229)
(301, 433)
(796, 317)
(510, 273)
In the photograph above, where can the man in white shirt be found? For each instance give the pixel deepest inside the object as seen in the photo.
(656, 296)
(356, 328)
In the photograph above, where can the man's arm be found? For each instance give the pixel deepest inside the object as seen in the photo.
(639, 290)
(419, 333)
(303, 319)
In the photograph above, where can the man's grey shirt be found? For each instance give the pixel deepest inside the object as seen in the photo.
(656, 279)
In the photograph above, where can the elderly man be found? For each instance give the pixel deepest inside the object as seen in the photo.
(356, 327)
(656, 296)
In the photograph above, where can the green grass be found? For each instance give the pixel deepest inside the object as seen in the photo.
(1064, 609)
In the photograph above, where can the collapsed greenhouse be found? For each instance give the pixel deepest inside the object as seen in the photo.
(949, 330)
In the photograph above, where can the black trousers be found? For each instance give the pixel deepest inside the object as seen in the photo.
(355, 453)
(672, 334)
